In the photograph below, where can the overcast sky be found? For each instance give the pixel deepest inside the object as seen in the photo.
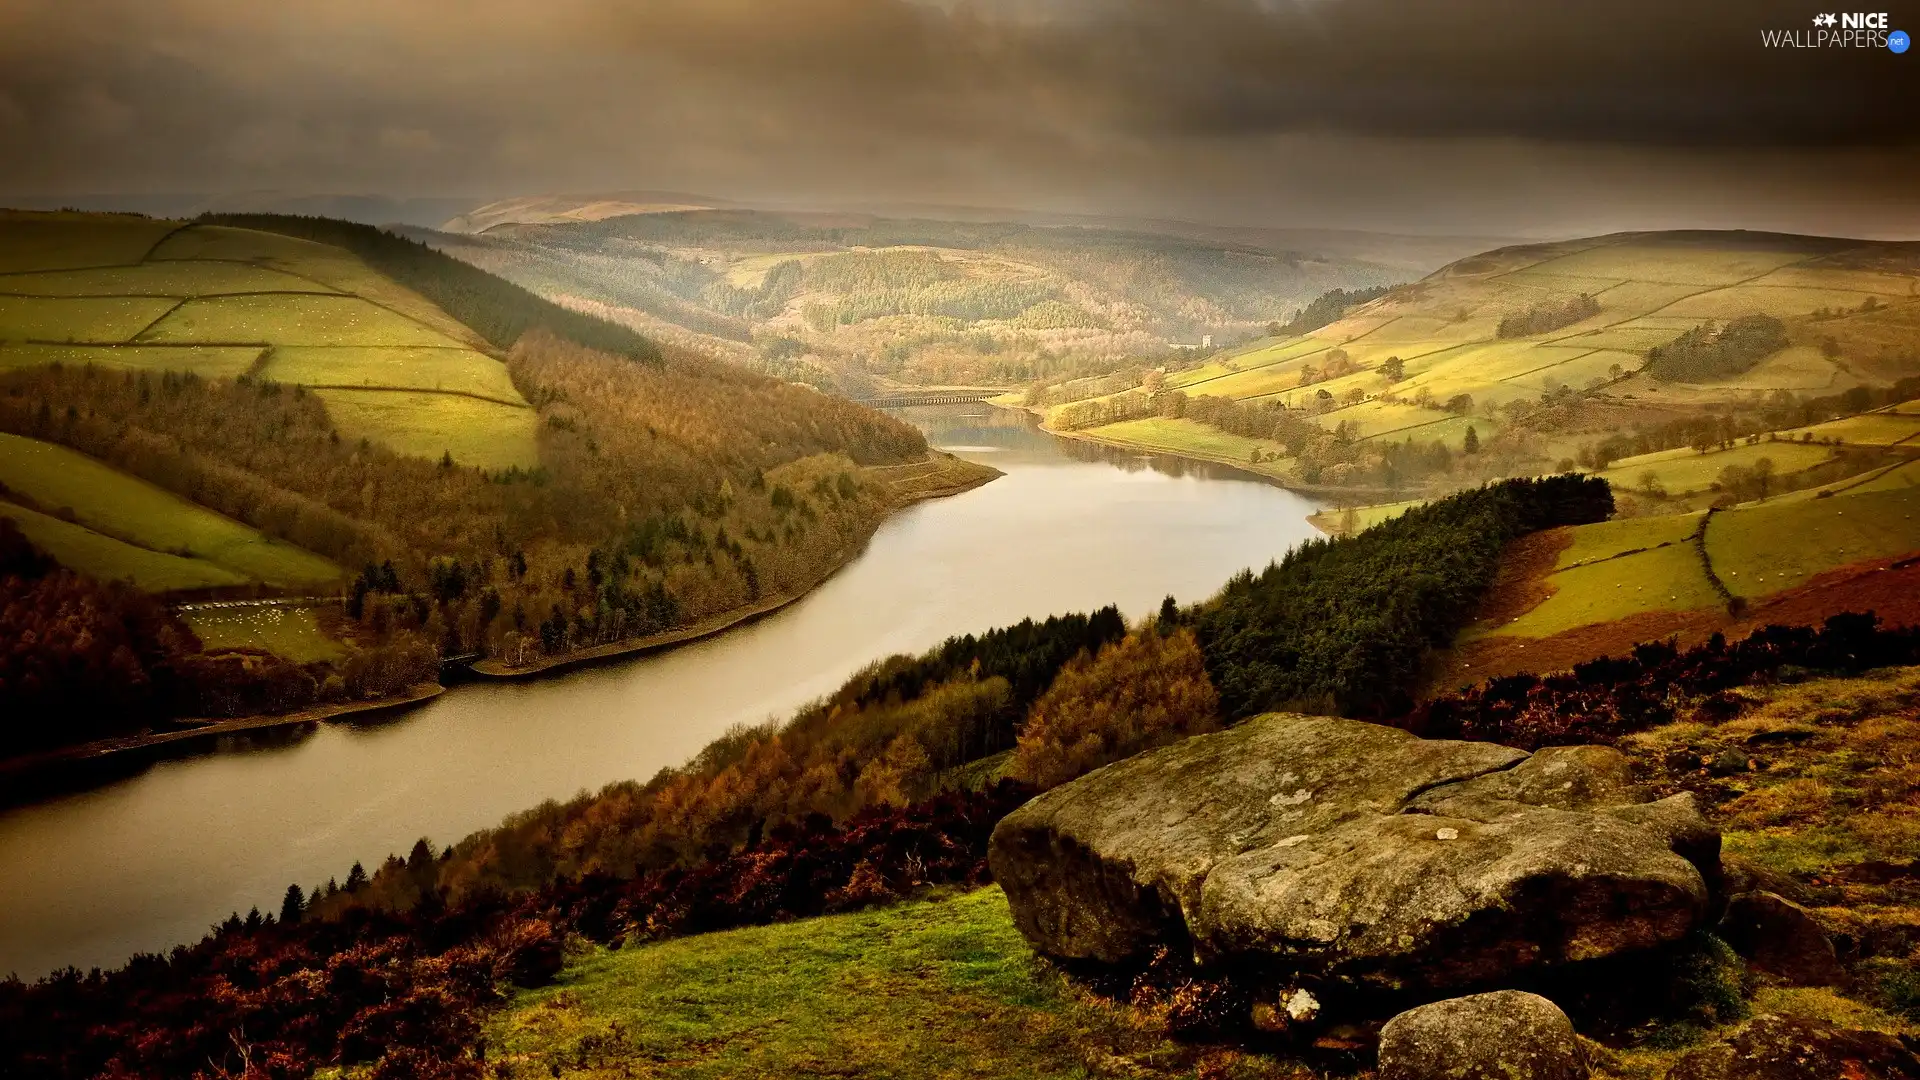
(1504, 116)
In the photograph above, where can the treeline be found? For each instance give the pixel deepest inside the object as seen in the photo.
(668, 492)
(496, 309)
(1344, 625)
(400, 993)
(1335, 457)
(1327, 308)
(1705, 353)
(84, 660)
(1605, 699)
(1548, 316)
(1780, 409)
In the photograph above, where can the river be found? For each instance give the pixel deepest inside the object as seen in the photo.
(151, 860)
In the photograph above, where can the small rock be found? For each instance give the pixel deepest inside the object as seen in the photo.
(1781, 938)
(1505, 1035)
(1792, 1048)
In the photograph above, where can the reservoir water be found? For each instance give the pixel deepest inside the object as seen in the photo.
(151, 860)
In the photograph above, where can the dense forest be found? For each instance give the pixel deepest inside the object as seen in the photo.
(1705, 353)
(1344, 625)
(496, 309)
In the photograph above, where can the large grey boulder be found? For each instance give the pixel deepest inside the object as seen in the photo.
(1506, 1035)
(1359, 852)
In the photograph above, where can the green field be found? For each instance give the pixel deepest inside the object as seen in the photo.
(1682, 470)
(174, 279)
(937, 988)
(483, 434)
(1763, 549)
(107, 559)
(81, 319)
(1608, 539)
(1192, 439)
(1663, 579)
(1649, 288)
(456, 370)
(132, 294)
(291, 633)
(291, 320)
(1868, 429)
(127, 509)
(207, 361)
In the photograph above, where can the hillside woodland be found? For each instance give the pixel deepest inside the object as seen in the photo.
(842, 301)
(665, 489)
(890, 785)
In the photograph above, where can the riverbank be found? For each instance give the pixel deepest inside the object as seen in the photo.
(940, 476)
(189, 731)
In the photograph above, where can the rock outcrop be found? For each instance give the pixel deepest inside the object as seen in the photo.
(1356, 852)
(1792, 1048)
(1505, 1035)
(1780, 938)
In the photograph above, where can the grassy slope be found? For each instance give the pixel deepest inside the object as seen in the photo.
(1757, 551)
(148, 519)
(1650, 287)
(292, 633)
(136, 294)
(932, 988)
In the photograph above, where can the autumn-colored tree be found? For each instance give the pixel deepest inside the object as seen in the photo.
(1146, 690)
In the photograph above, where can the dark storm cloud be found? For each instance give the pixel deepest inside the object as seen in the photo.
(1149, 103)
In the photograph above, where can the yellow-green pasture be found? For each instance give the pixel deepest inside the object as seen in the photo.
(1661, 579)
(1611, 539)
(291, 633)
(1684, 469)
(1867, 429)
(107, 559)
(483, 434)
(455, 369)
(179, 280)
(322, 264)
(1671, 262)
(292, 320)
(1190, 438)
(130, 510)
(78, 319)
(1763, 549)
(208, 361)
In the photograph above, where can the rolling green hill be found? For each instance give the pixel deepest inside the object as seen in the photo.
(1546, 353)
(433, 460)
(127, 292)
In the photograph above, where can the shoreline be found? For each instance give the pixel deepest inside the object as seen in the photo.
(101, 750)
(135, 748)
(1312, 491)
(496, 671)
